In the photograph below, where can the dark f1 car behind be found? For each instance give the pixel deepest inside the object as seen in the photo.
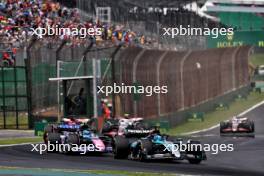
(237, 127)
(156, 146)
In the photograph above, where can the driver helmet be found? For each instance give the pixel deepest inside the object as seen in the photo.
(87, 133)
(157, 138)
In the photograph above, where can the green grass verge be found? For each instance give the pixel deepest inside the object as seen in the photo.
(31, 171)
(215, 117)
(8, 141)
(257, 59)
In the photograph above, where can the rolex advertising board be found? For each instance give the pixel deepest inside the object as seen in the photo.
(239, 38)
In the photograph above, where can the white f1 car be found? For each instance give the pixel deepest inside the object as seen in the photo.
(237, 126)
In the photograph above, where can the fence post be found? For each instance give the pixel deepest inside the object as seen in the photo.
(234, 68)
(16, 95)
(57, 55)
(85, 57)
(88, 49)
(29, 80)
(182, 86)
(158, 79)
(3, 92)
(113, 76)
(135, 63)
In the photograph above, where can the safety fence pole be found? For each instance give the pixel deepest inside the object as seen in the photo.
(27, 60)
(113, 55)
(57, 55)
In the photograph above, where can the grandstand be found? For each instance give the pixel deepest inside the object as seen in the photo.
(246, 17)
(148, 17)
(242, 15)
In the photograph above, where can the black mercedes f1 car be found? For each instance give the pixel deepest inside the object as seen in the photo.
(156, 146)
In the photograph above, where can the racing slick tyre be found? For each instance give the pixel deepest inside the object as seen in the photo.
(194, 161)
(252, 129)
(54, 138)
(252, 126)
(222, 126)
(48, 129)
(145, 148)
(121, 147)
(198, 154)
(72, 139)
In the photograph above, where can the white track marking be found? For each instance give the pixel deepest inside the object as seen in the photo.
(11, 145)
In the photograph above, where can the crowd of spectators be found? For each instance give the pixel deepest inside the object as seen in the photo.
(18, 17)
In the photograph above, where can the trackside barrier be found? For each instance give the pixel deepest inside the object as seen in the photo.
(221, 106)
(240, 97)
(196, 117)
(182, 116)
(192, 79)
(259, 85)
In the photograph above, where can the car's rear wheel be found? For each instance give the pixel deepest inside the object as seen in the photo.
(54, 138)
(252, 127)
(121, 147)
(222, 127)
(198, 153)
(72, 139)
(48, 129)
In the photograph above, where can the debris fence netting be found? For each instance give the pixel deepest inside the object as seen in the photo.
(191, 77)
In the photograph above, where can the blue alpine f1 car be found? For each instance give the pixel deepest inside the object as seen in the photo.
(77, 136)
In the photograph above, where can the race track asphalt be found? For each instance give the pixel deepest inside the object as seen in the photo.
(246, 159)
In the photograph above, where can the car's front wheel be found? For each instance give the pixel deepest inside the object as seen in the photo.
(194, 161)
(145, 148)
